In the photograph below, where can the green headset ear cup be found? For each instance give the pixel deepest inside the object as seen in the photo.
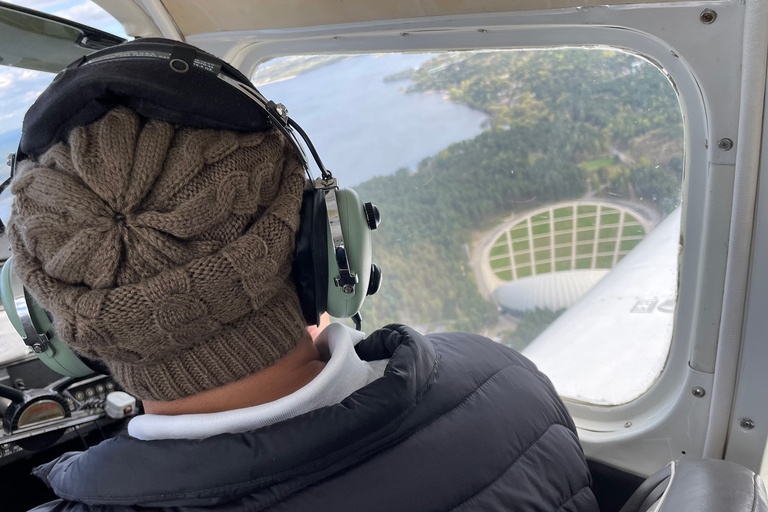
(6, 295)
(357, 240)
(58, 356)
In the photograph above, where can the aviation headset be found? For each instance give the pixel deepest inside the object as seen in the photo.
(178, 83)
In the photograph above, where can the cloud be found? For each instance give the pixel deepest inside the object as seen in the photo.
(87, 13)
(29, 74)
(19, 88)
(6, 79)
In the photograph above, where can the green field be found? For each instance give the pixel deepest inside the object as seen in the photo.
(598, 164)
(544, 241)
(499, 250)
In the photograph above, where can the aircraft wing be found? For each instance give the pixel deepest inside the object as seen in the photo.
(611, 346)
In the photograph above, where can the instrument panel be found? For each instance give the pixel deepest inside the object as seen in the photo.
(40, 409)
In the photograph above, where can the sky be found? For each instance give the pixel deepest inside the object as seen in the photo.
(20, 87)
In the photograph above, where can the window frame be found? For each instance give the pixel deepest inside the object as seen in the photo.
(668, 420)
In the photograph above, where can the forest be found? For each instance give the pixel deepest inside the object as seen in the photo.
(562, 123)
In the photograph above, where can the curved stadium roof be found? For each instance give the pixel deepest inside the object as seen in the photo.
(550, 291)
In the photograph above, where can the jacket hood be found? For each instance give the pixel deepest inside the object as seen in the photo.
(271, 462)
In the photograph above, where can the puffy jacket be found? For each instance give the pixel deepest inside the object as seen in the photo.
(458, 422)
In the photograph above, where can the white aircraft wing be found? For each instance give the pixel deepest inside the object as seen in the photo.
(611, 346)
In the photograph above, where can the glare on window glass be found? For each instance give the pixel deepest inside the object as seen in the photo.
(528, 196)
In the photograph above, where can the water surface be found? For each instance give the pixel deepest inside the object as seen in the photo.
(365, 127)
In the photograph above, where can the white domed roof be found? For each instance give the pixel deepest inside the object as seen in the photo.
(547, 291)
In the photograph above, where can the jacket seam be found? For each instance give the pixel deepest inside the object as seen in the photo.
(469, 395)
(510, 466)
(573, 497)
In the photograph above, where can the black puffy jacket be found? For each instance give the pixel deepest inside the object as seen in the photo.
(456, 423)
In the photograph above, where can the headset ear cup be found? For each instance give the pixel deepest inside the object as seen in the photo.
(320, 260)
(310, 266)
(357, 243)
(56, 355)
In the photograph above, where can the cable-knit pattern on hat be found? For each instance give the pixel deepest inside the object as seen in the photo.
(164, 252)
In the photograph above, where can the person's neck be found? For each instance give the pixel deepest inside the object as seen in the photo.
(294, 371)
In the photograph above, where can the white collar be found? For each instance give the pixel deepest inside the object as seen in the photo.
(344, 373)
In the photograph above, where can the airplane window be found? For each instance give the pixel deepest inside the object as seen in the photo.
(529, 196)
(82, 11)
(19, 88)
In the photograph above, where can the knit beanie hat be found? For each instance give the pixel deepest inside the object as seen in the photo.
(163, 252)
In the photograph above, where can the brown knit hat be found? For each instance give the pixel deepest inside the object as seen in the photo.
(164, 252)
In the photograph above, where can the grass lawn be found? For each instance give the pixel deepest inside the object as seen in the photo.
(500, 263)
(535, 241)
(519, 233)
(524, 272)
(628, 245)
(499, 250)
(603, 262)
(522, 259)
(522, 245)
(606, 246)
(597, 164)
(632, 231)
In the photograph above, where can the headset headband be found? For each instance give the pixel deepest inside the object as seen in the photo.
(159, 79)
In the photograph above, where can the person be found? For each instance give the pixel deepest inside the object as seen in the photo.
(165, 252)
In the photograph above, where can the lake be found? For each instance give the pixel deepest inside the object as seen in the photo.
(363, 127)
